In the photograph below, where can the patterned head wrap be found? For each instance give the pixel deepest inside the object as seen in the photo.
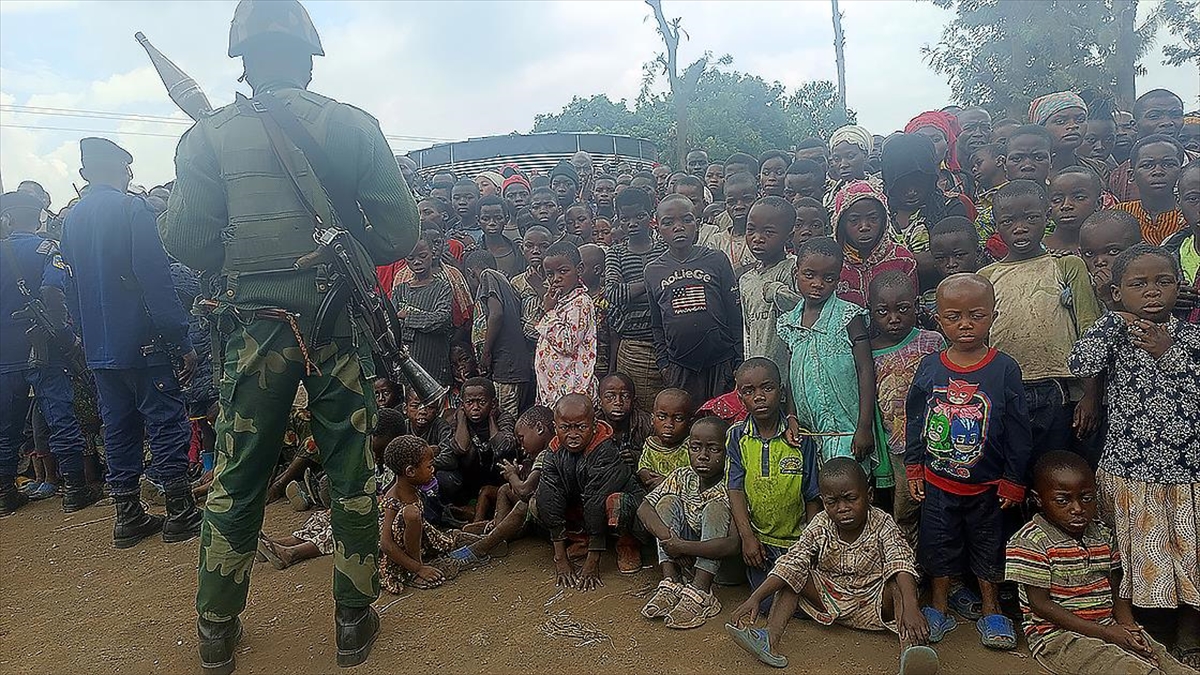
(947, 124)
(1042, 108)
(515, 179)
(854, 135)
(856, 191)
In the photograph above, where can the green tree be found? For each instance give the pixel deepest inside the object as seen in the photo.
(1182, 19)
(729, 112)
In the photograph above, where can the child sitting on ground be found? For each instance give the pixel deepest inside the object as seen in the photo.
(688, 514)
(565, 357)
(851, 566)
(534, 430)
(967, 448)
(483, 435)
(1101, 239)
(1044, 304)
(1148, 474)
(582, 469)
(412, 551)
(1074, 197)
(1068, 569)
(827, 338)
(898, 347)
(631, 426)
(667, 449)
(771, 481)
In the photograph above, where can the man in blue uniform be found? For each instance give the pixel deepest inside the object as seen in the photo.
(31, 268)
(134, 330)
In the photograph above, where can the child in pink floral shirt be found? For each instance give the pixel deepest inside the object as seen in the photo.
(565, 360)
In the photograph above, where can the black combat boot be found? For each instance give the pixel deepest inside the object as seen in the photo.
(11, 498)
(183, 518)
(218, 640)
(77, 494)
(133, 523)
(357, 628)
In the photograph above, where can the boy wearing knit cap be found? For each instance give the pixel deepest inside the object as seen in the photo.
(564, 181)
(516, 189)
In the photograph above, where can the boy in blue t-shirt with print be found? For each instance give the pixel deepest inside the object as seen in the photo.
(967, 444)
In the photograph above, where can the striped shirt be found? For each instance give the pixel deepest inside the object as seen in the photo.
(1156, 228)
(629, 317)
(1076, 572)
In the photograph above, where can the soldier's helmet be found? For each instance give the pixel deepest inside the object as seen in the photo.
(254, 19)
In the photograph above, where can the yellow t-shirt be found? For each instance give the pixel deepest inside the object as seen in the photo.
(661, 459)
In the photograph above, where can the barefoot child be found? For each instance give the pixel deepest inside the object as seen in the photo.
(414, 552)
(898, 347)
(688, 515)
(1068, 569)
(565, 358)
(667, 449)
(1148, 474)
(967, 448)
(771, 482)
(534, 430)
(851, 566)
(827, 338)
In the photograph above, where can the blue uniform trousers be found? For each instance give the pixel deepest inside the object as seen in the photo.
(55, 399)
(136, 404)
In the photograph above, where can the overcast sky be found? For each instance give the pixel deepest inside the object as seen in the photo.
(432, 71)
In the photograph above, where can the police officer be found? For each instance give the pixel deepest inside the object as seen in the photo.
(32, 265)
(235, 214)
(134, 331)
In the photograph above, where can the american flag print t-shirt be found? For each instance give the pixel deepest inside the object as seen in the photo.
(687, 299)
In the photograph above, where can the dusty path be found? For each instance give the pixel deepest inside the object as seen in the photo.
(71, 604)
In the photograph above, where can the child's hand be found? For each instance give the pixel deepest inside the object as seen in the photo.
(671, 547)
(1008, 503)
(626, 454)
(792, 433)
(753, 553)
(1153, 337)
(1130, 639)
(916, 489)
(745, 614)
(1087, 416)
(431, 575)
(863, 443)
(589, 577)
(1102, 279)
(564, 573)
(1187, 297)
(507, 469)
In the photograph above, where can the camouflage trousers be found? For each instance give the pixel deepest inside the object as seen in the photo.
(260, 370)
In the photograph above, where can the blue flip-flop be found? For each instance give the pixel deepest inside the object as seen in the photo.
(919, 660)
(996, 632)
(756, 642)
(939, 624)
(966, 603)
(467, 558)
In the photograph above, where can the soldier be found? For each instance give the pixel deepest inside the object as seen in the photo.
(134, 331)
(32, 264)
(235, 214)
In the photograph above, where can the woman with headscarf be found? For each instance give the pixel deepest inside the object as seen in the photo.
(910, 180)
(850, 148)
(861, 226)
(942, 129)
(1064, 114)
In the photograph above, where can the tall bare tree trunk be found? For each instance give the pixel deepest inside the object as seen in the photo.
(839, 51)
(1126, 66)
(669, 30)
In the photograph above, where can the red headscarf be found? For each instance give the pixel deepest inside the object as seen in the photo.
(948, 124)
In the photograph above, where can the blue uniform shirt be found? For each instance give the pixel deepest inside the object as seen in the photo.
(41, 266)
(122, 295)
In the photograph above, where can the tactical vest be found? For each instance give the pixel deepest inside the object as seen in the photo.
(269, 228)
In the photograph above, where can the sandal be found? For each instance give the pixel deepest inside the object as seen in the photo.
(266, 548)
(939, 624)
(966, 603)
(919, 660)
(756, 642)
(996, 632)
(466, 558)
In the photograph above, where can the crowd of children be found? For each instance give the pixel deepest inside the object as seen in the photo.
(891, 383)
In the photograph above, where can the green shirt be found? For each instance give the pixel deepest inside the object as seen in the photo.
(663, 460)
(778, 479)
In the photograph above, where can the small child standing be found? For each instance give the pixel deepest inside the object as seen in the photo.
(688, 515)
(1067, 567)
(1074, 197)
(827, 338)
(565, 359)
(768, 227)
(497, 335)
(591, 275)
(1044, 304)
(850, 566)
(967, 448)
(1149, 475)
(1101, 239)
(667, 449)
(898, 347)
(860, 216)
(423, 307)
(694, 313)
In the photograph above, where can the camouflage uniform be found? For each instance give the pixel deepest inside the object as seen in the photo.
(234, 214)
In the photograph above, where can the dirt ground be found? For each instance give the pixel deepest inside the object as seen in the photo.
(71, 604)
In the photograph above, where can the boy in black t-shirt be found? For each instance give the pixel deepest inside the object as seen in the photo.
(500, 346)
(694, 313)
